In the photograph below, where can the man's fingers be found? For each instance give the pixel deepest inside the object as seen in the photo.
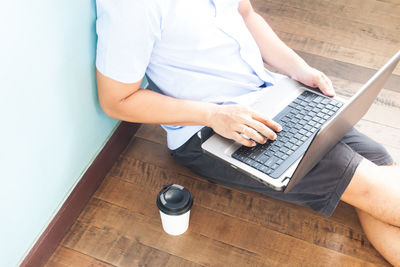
(268, 122)
(260, 128)
(325, 85)
(244, 125)
(253, 134)
(249, 133)
(242, 140)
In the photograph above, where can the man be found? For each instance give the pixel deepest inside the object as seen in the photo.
(204, 55)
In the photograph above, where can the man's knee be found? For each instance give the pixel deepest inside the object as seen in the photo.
(361, 187)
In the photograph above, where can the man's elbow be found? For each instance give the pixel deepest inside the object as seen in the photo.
(245, 9)
(113, 94)
(109, 107)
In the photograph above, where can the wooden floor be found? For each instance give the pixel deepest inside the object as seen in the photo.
(121, 226)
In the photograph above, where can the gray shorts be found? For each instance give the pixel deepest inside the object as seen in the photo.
(321, 189)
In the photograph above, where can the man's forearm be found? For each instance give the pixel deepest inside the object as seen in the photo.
(145, 106)
(277, 54)
(230, 121)
(274, 52)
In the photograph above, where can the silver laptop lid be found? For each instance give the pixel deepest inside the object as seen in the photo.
(339, 125)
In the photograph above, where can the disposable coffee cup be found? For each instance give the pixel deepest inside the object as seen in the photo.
(174, 202)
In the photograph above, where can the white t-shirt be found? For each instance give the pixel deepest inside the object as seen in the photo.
(191, 49)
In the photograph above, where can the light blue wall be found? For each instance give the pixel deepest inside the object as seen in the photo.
(51, 124)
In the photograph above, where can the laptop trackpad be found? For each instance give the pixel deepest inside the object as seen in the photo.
(275, 98)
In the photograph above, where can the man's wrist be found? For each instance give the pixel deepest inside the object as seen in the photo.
(301, 72)
(209, 112)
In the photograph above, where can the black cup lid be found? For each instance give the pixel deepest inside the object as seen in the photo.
(174, 199)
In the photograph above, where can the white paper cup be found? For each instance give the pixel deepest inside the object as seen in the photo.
(174, 202)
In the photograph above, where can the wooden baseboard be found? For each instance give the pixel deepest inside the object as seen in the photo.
(79, 197)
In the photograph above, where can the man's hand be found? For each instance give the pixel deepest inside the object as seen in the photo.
(234, 121)
(317, 79)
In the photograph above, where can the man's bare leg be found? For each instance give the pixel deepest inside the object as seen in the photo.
(375, 192)
(384, 237)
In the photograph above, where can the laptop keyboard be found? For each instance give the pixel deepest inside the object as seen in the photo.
(300, 121)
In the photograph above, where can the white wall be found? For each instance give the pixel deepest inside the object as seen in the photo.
(51, 124)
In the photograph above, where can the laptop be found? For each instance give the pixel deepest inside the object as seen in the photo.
(312, 125)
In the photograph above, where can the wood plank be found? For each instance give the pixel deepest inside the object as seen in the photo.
(110, 246)
(133, 193)
(339, 31)
(66, 257)
(202, 247)
(152, 132)
(158, 155)
(102, 218)
(249, 206)
(384, 115)
(303, 27)
(310, 44)
(347, 71)
(363, 14)
(346, 89)
(385, 7)
(385, 135)
(382, 134)
(330, 29)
